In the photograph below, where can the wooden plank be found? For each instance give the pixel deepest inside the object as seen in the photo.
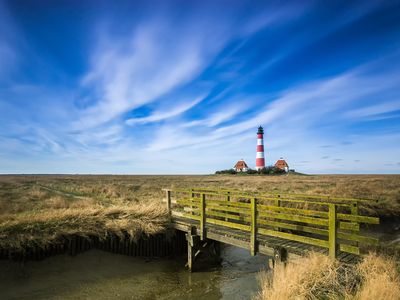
(358, 238)
(231, 232)
(298, 211)
(303, 197)
(349, 226)
(273, 241)
(210, 212)
(320, 203)
(290, 217)
(264, 249)
(230, 209)
(293, 237)
(229, 224)
(191, 210)
(229, 203)
(345, 257)
(349, 249)
(359, 219)
(296, 227)
(332, 231)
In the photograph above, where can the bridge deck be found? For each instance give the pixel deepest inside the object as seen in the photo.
(267, 245)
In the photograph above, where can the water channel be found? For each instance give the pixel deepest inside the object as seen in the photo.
(101, 275)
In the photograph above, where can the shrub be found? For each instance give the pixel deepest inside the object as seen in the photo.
(251, 171)
(228, 171)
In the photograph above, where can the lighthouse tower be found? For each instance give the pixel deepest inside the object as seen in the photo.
(260, 160)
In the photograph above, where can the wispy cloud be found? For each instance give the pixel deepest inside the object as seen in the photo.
(377, 110)
(160, 115)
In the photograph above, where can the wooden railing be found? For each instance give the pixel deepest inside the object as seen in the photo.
(323, 222)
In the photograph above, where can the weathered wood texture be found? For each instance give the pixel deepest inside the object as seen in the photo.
(264, 222)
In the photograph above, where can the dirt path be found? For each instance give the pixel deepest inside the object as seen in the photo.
(62, 192)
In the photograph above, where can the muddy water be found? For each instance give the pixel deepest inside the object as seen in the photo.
(100, 275)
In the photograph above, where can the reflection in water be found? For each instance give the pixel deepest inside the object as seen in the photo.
(101, 275)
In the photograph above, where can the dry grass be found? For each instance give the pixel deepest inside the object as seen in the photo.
(24, 193)
(49, 226)
(380, 278)
(318, 277)
(65, 204)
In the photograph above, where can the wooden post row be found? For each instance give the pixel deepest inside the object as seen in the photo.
(253, 236)
(332, 231)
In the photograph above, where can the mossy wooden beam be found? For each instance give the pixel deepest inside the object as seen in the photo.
(226, 215)
(349, 249)
(299, 211)
(253, 233)
(349, 226)
(229, 224)
(230, 209)
(296, 227)
(228, 203)
(358, 238)
(332, 231)
(294, 237)
(292, 217)
(359, 219)
(203, 217)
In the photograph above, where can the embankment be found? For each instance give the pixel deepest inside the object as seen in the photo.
(136, 230)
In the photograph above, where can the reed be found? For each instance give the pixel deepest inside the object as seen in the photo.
(47, 226)
(319, 277)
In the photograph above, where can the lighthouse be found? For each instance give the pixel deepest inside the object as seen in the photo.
(260, 160)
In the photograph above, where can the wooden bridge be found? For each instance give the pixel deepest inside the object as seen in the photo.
(282, 226)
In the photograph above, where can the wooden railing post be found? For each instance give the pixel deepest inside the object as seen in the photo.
(277, 204)
(332, 231)
(203, 216)
(228, 198)
(168, 195)
(354, 208)
(191, 199)
(253, 236)
(354, 211)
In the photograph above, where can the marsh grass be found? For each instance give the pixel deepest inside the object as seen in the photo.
(319, 277)
(40, 209)
(51, 225)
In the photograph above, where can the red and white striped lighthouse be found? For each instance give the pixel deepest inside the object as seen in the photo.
(260, 160)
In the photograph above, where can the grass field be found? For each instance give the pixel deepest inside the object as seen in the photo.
(39, 209)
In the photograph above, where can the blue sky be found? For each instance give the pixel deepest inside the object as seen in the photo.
(171, 87)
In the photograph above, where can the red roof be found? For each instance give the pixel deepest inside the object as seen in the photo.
(241, 164)
(281, 164)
